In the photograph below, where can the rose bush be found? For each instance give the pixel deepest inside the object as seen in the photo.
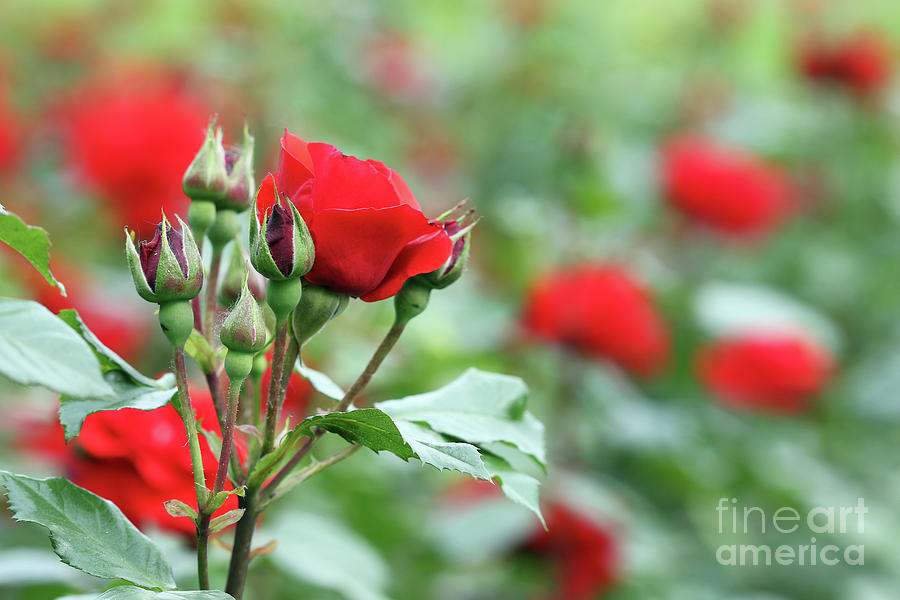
(368, 230)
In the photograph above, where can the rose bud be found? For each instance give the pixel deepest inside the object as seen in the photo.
(317, 306)
(455, 265)
(281, 248)
(230, 289)
(239, 184)
(204, 181)
(168, 271)
(243, 333)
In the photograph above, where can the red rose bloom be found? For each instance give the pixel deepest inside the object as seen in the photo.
(586, 554)
(136, 459)
(861, 63)
(765, 373)
(131, 139)
(601, 311)
(724, 189)
(10, 134)
(369, 232)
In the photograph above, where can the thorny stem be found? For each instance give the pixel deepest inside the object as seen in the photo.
(212, 283)
(387, 344)
(276, 395)
(186, 412)
(254, 500)
(222, 470)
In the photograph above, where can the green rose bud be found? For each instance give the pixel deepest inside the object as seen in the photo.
(168, 266)
(317, 306)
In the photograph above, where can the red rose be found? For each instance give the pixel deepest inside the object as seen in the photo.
(766, 373)
(722, 188)
(136, 459)
(10, 134)
(131, 139)
(599, 310)
(586, 554)
(369, 232)
(861, 63)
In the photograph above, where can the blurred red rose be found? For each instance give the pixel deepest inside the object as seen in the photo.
(861, 63)
(369, 232)
(601, 311)
(131, 139)
(10, 134)
(766, 373)
(136, 459)
(722, 188)
(586, 554)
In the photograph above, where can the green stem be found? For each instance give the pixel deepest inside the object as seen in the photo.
(387, 344)
(273, 404)
(186, 412)
(210, 304)
(243, 539)
(221, 471)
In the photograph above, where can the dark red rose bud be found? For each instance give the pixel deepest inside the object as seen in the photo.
(280, 238)
(281, 246)
(151, 251)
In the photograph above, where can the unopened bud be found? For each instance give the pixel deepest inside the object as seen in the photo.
(281, 246)
(205, 178)
(317, 306)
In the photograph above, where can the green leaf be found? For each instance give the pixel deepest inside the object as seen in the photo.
(223, 521)
(320, 381)
(518, 487)
(74, 410)
(88, 532)
(341, 560)
(478, 407)
(108, 359)
(131, 388)
(37, 348)
(369, 427)
(432, 449)
(128, 592)
(29, 241)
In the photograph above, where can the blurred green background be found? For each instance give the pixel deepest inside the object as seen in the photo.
(549, 116)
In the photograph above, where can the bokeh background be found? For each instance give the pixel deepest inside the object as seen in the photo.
(688, 250)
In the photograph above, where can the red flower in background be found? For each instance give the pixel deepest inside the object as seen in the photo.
(131, 139)
(861, 63)
(586, 554)
(10, 134)
(765, 373)
(136, 459)
(601, 311)
(722, 188)
(369, 232)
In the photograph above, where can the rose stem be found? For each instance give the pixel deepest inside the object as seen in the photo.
(186, 412)
(225, 455)
(273, 403)
(387, 344)
(209, 313)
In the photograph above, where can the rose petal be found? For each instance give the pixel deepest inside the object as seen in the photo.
(356, 249)
(423, 255)
(266, 197)
(345, 182)
(295, 165)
